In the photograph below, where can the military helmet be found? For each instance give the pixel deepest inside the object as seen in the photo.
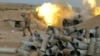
(22, 14)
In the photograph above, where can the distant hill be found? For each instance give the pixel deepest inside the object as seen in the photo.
(15, 6)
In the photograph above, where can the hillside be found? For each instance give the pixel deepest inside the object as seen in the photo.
(91, 23)
(15, 6)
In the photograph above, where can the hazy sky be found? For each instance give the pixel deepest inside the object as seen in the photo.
(75, 3)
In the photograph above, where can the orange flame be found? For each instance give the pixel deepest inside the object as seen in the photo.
(94, 8)
(96, 11)
(92, 3)
(91, 7)
(52, 13)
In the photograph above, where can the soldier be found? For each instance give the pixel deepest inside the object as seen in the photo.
(26, 24)
(66, 22)
(77, 20)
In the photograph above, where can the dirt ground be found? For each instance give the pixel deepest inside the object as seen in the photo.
(9, 35)
(91, 23)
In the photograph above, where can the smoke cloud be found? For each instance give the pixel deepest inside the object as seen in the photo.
(87, 6)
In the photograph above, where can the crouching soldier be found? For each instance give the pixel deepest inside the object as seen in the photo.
(27, 22)
(77, 20)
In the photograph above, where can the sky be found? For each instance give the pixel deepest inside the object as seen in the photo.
(74, 3)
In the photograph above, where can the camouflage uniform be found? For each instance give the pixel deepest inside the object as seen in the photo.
(27, 22)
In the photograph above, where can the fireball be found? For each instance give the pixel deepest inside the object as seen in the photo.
(52, 13)
(92, 3)
(96, 11)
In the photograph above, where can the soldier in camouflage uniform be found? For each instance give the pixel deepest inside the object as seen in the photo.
(27, 22)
